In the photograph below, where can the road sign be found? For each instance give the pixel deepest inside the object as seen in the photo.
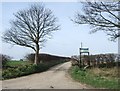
(84, 50)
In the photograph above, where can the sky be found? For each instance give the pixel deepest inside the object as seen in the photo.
(66, 41)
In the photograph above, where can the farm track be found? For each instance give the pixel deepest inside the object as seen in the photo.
(55, 78)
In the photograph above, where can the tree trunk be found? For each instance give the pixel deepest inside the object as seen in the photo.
(36, 54)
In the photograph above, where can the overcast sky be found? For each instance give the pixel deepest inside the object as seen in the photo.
(64, 42)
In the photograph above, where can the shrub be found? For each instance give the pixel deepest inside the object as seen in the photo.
(21, 59)
(4, 59)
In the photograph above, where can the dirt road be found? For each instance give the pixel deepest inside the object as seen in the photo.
(55, 78)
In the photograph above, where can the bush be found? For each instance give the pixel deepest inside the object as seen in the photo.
(4, 59)
(19, 71)
(21, 59)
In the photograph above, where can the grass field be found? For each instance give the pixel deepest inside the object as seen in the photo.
(17, 63)
(98, 78)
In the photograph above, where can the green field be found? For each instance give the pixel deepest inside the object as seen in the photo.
(17, 63)
(104, 78)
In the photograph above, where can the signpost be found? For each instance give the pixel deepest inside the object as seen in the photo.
(83, 50)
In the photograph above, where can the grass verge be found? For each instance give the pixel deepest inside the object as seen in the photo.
(95, 80)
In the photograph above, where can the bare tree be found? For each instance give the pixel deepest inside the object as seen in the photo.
(31, 28)
(100, 16)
